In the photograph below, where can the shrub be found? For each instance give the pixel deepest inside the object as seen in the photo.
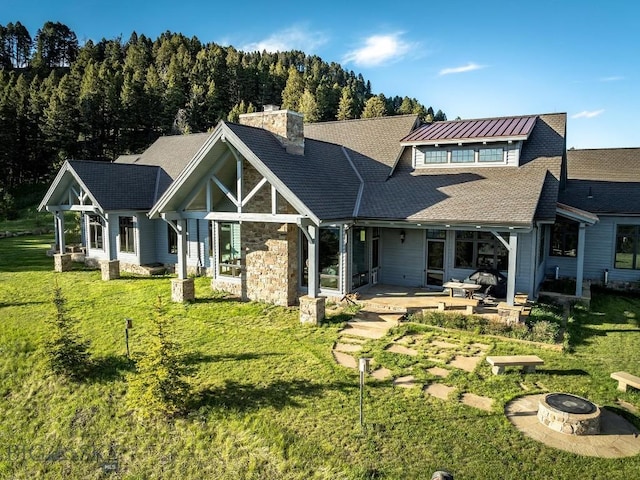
(68, 354)
(159, 387)
(539, 330)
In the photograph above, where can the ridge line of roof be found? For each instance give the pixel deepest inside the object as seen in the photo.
(354, 120)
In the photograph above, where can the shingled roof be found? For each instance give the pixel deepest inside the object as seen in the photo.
(481, 196)
(603, 181)
(374, 143)
(322, 178)
(119, 186)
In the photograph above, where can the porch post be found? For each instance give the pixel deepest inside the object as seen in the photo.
(312, 306)
(313, 261)
(511, 274)
(60, 231)
(182, 288)
(182, 249)
(580, 260)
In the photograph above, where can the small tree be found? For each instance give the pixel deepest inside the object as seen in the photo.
(68, 354)
(159, 387)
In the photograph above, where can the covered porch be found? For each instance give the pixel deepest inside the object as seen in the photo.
(416, 299)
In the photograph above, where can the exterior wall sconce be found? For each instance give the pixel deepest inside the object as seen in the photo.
(402, 236)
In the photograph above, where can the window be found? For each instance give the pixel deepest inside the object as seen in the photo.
(462, 156)
(435, 156)
(628, 247)
(96, 232)
(564, 238)
(172, 236)
(359, 257)
(210, 238)
(490, 155)
(329, 258)
(229, 249)
(542, 244)
(127, 235)
(480, 250)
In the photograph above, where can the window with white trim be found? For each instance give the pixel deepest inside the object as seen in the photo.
(490, 155)
(462, 156)
(96, 232)
(435, 156)
(229, 249)
(127, 235)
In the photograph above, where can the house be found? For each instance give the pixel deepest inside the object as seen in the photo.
(278, 211)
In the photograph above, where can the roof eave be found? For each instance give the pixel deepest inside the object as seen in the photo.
(463, 141)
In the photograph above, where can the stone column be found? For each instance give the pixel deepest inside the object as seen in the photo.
(312, 309)
(110, 269)
(183, 290)
(62, 262)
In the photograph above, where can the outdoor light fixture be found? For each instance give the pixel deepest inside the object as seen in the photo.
(402, 236)
(590, 194)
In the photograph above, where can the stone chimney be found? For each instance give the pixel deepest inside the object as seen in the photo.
(286, 125)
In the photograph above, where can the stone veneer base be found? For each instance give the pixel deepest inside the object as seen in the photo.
(110, 269)
(183, 290)
(62, 262)
(312, 310)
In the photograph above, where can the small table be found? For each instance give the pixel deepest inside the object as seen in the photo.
(468, 288)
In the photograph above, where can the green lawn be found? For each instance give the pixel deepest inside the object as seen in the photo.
(271, 402)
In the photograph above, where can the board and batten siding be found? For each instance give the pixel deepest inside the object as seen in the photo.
(402, 264)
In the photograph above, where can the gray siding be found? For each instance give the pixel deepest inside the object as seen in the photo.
(600, 240)
(402, 263)
(145, 245)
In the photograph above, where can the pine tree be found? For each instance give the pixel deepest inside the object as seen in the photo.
(375, 107)
(293, 90)
(346, 107)
(160, 386)
(67, 354)
(308, 107)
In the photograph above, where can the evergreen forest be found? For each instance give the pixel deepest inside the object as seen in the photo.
(61, 100)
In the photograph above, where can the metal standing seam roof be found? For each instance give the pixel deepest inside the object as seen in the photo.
(478, 129)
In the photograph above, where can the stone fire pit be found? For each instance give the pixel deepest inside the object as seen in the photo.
(570, 414)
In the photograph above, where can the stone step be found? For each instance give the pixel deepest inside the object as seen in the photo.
(369, 324)
(374, 315)
(363, 332)
(351, 340)
(347, 347)
(374, 306)
(345, 360)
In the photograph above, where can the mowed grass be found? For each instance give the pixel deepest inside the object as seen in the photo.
(270, 402)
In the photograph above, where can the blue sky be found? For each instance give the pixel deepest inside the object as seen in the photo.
(471, 59)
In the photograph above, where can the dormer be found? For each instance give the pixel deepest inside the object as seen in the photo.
(489, 142)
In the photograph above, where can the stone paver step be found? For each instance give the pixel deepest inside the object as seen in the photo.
(401, 349)
(439, 372)
(405, 382)
(351, 340)
(439, 390)
(345, 360)
(467, 364)
(381, 373)
(477, 401)
(347, 347)
(363, 332)
(372, 324)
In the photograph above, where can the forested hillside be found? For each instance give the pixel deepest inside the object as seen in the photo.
(60, 100)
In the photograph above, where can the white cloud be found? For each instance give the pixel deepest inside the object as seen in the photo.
(588, 114)
(614, 78)
(378, 50)
(293, 38)
(469, 67)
